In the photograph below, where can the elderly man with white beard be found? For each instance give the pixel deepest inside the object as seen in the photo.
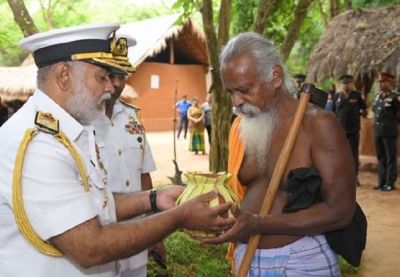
(291, 243)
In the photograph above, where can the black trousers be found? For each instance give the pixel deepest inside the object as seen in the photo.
(386, 153)
(354, 141)
(208, 128)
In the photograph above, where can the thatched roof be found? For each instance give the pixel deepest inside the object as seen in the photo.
(152, 35)
(17, 83)
(360, 42)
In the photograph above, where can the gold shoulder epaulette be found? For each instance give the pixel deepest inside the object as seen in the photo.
(47, 123)
(129, 105)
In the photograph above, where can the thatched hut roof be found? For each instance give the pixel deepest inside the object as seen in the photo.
(157, 34)
(360, 42)
(17, 83)
(153, 36)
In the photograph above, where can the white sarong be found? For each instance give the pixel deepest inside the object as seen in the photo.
(306, 257)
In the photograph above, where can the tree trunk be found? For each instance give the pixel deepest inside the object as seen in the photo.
(265, 7)
(22, 17)
(46, 11)
(333, 8)
(347, 5)
(221, 102)
(294, 28)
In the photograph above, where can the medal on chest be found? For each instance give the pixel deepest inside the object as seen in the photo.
(134, 126)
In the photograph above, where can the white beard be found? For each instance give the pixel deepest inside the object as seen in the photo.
(84, 106)
(256, 132)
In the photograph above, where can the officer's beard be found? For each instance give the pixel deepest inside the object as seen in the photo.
(256, 129)
(84, 105)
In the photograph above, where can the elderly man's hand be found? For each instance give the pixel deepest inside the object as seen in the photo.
(239, 231)
(198, 215)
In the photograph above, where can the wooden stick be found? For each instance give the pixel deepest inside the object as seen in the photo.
(174, 130)
(276, 178)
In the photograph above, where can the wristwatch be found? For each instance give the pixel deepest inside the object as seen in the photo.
(153, 200)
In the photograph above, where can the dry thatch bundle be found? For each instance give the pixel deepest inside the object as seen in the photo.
(17, 83)
(360, 42)
(186, 43)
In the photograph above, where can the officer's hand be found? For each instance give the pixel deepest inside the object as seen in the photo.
(167, 196)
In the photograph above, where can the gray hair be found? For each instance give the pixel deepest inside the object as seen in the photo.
(263, 52)
(43, 73)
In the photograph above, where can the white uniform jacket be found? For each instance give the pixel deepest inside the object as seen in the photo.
(52, 190)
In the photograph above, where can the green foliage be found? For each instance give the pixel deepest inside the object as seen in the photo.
(186, 7)
(245, 13)
(64, 13)
(346, 268)
(10, 53)
(312, 29)
(187, 257)
(279, 21)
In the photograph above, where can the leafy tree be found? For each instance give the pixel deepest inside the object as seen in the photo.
(22, 17)
(293, 32)
(30, 16)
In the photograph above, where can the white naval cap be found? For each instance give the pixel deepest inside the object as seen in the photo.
(94, 43)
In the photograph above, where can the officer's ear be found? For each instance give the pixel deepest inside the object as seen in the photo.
(63, 75)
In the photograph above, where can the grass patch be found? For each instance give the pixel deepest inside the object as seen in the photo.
(189, 258)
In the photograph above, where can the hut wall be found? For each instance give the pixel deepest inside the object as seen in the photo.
(367, 146)
(157, 104)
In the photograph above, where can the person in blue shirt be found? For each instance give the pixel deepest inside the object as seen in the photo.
(182, 107)
(329, 101)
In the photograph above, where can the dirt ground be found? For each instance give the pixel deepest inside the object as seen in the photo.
(382, 254)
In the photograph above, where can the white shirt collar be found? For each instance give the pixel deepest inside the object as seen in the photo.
(67, 123)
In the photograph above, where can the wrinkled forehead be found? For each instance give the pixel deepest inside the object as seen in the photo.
(241, 65)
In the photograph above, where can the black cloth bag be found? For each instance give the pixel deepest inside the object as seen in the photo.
(304, 190)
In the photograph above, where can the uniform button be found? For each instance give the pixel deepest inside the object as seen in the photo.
(105, 181)
(119, 152)
(105, 201)
(139, 139)
(127, 183)
(112, 123)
